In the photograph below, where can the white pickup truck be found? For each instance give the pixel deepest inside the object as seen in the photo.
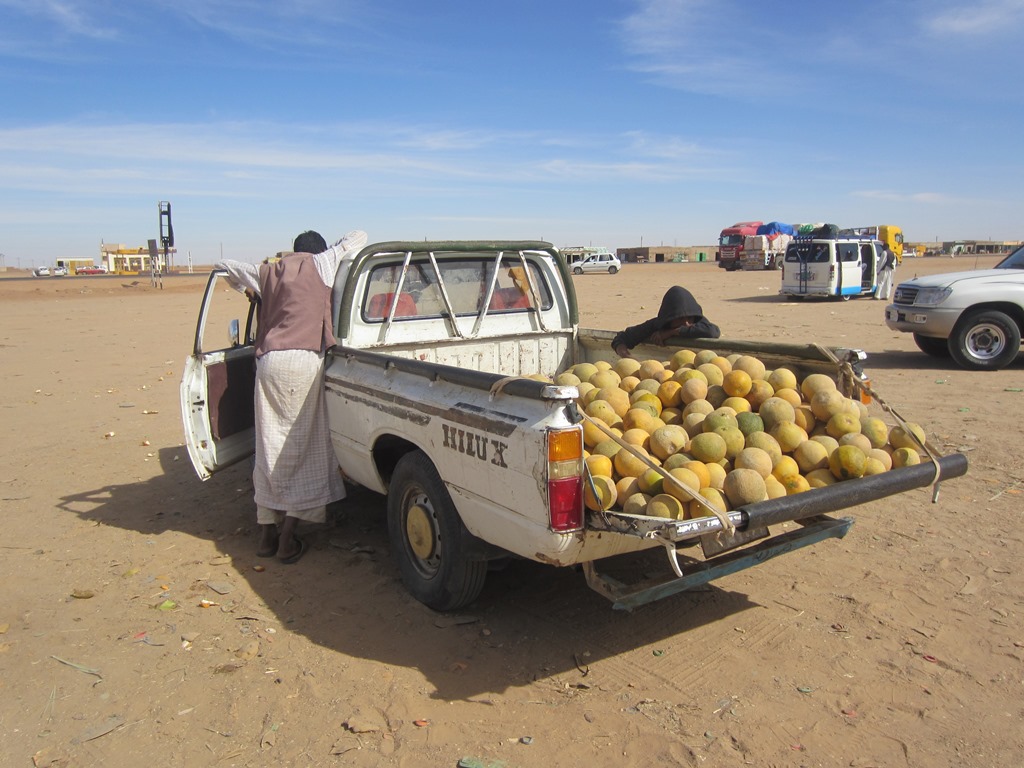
(430, 403)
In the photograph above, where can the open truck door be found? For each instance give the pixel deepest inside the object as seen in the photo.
(217, 387)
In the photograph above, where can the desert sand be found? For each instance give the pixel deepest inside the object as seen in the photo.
(136, 630)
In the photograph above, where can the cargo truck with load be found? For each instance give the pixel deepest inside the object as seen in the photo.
(766, 248)
(449, 393)
(731, 241)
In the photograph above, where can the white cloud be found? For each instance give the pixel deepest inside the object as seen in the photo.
(977, 19)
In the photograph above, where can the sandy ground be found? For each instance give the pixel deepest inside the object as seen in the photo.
(900, 645)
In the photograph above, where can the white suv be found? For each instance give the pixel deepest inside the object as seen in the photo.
(598, 262)
(975, 316)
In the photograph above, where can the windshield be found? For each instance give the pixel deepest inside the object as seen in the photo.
(1014, 261)
(731, 240)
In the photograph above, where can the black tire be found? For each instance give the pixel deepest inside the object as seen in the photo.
(985, 340)
(577, 271)
(612, 270)
(932, 346)
(429, 539)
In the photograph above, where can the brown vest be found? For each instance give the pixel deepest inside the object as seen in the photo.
(295, 306)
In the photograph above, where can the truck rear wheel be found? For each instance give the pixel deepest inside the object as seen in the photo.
(429, 539)
(985, 340)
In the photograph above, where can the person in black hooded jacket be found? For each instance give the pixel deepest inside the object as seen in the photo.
(680, 315)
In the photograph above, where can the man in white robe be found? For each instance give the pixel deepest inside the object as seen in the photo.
(296, 472)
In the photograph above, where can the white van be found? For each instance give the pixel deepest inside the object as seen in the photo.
(841, 267)
(598, 262)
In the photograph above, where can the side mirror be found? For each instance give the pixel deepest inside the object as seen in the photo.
(233, 333)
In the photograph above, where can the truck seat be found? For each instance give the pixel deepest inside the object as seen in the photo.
(379, 306)
(509, 298)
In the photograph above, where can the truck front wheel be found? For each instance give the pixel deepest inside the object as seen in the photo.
(931, 345)
(429, 539)
(985, 340)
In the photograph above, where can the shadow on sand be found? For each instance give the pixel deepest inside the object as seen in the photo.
(345, 594)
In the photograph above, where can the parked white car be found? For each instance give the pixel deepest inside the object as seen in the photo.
(60, 271)
(976, 317)
(41, 271)
(598, 262)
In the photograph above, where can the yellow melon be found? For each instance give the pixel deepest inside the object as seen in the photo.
(626, 487)
(856, 438)
(809, 455)
(606, 493)
(648, 368)
(617, 398)
(628, 384)
(881, 456)
(698, 406)
(693, 423)
(776, 410)
(796, 484)
(681, 476)
(712, 373)
(754, 458)
(599, 464)
(670, 393)
(735, 441)
(607, 447)
(791, 396)
(583, 371)
(716, 473)
(664, 505)
(737, 383)
(628, 464)
(766, 443)
(789, 435)
(899, 436)
(603, 410)
(782, 378)
(605, 379)
(627, 366)
(760, 390)
(681, 359)
(842, 423)
(714, 497)
(744, 486)
(668, 440)
(825, 403)
(750, 365)
(875, 430)
(708, 447)
(636, 504)
(774, 488)
(693, 390)
(819, 478)
(905, 457)
(637, 436)
(651, 482)
(738, 404)
(567, 379)
(828, 441)
(804, 418)
(785, 467)
(639, 418)
(847, 462)
(815, 382)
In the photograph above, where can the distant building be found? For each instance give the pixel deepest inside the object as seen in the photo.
(119, 258)
(663, 253)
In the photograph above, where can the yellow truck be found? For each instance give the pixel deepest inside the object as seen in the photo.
(889, 234)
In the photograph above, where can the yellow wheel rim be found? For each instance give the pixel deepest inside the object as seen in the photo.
(419, 532)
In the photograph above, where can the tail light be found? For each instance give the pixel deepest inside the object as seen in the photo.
(565, 479)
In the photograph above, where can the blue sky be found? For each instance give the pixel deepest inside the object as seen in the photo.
(608, 122)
